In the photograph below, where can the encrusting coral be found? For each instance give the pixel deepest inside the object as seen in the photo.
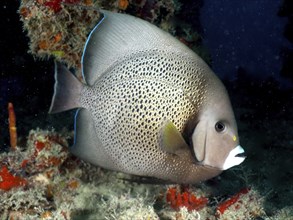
(184, 199)
(58, 28)
(45, 181)
(9, 181)
(246, 204)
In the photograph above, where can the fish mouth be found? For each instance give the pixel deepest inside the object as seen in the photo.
(235, 157)
(243, 155)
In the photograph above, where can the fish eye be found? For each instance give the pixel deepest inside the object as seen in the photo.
(220, 126)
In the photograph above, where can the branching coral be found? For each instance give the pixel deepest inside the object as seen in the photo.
(12, 126)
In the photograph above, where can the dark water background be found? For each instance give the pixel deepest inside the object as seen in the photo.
(245, 34)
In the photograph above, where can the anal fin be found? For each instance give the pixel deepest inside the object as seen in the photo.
(87, 144)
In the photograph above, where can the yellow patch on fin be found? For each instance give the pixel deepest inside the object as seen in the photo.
(234, 138)
(171, 138)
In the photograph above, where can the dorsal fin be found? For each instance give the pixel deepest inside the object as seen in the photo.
(118, 35)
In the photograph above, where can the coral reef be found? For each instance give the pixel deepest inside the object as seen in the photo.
(246, 204)
(185, 199)
(9, 181)
(284, 214)
(58, 28)
(31, 171)
(44, 181)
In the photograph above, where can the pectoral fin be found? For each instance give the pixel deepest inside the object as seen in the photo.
(171, 139)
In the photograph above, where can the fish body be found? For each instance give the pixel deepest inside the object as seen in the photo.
(150, 106)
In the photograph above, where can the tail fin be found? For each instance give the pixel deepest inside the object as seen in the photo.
(67, 90)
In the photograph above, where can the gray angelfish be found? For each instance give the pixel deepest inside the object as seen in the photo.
(150, 106)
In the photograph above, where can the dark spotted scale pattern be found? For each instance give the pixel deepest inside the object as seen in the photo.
(132, 99)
